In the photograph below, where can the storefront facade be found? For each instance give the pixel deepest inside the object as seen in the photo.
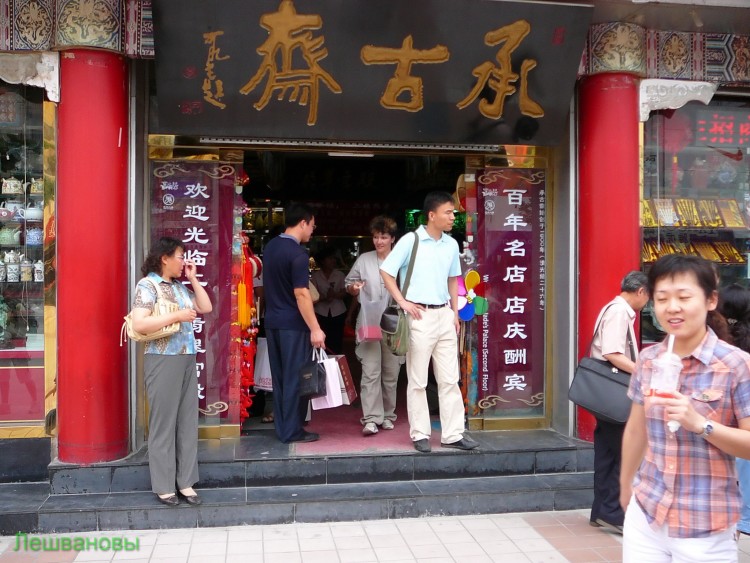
(59, 352)
(540, 224)
(658, 91)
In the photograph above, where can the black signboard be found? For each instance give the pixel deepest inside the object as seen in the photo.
(391, 71)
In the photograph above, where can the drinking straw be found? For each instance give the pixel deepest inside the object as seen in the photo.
(673, 425)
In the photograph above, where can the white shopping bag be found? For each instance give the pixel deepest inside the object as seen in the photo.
(262, 367)
(333, 386)
(368, 321)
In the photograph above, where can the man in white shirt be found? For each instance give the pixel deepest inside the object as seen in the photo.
(614, 341)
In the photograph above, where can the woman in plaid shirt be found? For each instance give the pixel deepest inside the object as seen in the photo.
(680, 489)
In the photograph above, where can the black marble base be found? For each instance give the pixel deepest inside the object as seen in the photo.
(298, 503)
(257, 480)
(24, 459)
(261, 460)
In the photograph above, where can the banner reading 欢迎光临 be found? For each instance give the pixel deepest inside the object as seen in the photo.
(192, 202)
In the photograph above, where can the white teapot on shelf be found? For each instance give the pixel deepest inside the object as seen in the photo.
(15, 207)
(11, 257)
(12, 205)
(31, 213)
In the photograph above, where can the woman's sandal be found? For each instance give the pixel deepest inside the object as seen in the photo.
(267, 419)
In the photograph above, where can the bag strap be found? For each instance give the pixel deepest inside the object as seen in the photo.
(410, 269)
(627, 335)
(160, 293)
(156, 285)
(124, 333)
(319, 355)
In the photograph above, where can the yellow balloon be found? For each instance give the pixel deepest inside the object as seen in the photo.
(472, 279)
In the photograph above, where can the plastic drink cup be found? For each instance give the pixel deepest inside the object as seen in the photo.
(665, 377)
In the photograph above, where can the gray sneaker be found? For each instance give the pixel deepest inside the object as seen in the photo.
(465, 443)
(369, 429)
(387, 424)
(422, 446)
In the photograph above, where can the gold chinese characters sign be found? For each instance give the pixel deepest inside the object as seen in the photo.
(427, 71)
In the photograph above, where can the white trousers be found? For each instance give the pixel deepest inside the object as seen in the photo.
(380, 370)
(642, 544)
(434, 337)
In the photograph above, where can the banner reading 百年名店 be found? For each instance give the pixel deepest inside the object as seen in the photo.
(511, 242)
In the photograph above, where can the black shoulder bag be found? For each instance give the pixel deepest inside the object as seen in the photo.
(601, 388)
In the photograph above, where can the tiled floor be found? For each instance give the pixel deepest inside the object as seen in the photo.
(547, 537)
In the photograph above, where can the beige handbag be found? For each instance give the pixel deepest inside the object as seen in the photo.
(161, 307)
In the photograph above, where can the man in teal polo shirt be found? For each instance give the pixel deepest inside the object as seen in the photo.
(431, 303)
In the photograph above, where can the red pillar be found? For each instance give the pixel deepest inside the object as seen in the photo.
(92, 256)
(609, 238)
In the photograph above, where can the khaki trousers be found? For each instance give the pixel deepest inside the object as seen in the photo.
(434, 337)
(380, 370)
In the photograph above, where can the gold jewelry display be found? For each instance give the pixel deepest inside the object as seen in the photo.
(709, 213)
(730, 212)
(688, 213)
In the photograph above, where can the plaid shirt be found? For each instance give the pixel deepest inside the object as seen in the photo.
(684, 481)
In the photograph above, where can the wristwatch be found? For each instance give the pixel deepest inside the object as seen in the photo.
(708, 428)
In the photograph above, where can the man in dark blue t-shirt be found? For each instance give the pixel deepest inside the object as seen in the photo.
(291, 326)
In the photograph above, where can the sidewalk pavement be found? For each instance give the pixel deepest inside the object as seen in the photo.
(537, 537)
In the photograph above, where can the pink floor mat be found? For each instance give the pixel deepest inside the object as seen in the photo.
(341, 433)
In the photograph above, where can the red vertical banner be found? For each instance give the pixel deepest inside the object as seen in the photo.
(512, 262)
(193, 202)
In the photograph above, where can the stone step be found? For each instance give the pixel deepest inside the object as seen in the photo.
(261, 461)
(29, 508)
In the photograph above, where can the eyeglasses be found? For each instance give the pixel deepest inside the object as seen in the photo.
(181, 258)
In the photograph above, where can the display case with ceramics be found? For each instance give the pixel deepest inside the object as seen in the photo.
(21, 263)
(27, 148)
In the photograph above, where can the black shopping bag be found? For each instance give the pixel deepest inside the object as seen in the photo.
(312, 377)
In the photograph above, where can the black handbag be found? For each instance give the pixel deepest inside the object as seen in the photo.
(601, 388)
(394, 326)
(312, 378)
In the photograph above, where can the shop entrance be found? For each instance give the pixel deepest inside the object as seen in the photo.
(348, 190)
(215, 198)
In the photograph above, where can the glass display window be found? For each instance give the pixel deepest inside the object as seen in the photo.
(22, 258)
(696, 189)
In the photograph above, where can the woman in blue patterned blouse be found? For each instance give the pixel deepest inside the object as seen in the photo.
(170, 370)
